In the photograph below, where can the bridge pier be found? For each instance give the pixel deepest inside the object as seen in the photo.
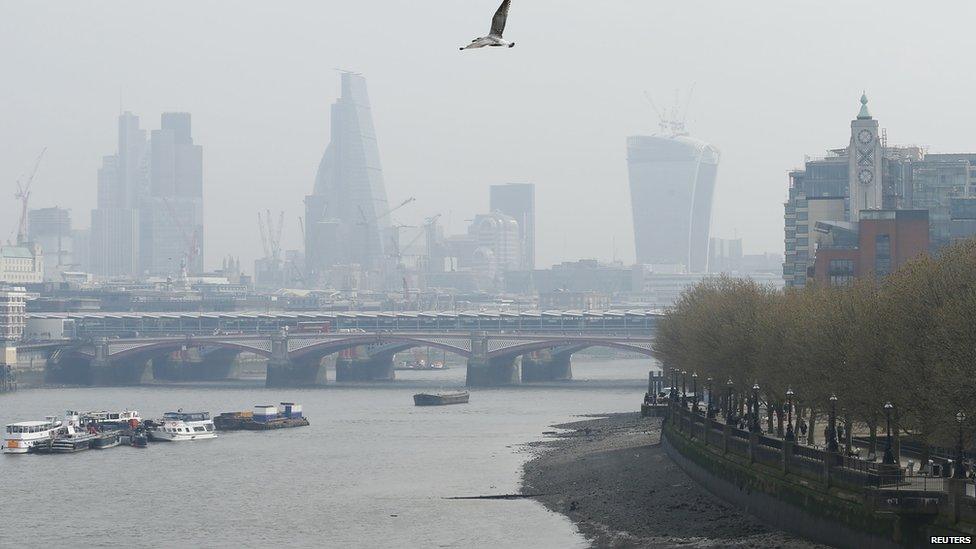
(195, 365)
(371, 368)
(108, 373)
(546, 366)
(284, 372)
(493, 372)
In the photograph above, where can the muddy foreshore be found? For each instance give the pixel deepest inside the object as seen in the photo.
(611, 477)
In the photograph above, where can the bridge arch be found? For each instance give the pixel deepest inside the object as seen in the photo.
(151, 349)
(390, 344)
(576, 344)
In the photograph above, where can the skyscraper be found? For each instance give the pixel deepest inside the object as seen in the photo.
(150, 201)
(672, 179)
(115, 222)
(517, 200)
(50, 228)
(171, 211)
(346, 215)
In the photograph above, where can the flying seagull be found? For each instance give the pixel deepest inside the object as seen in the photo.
(494, 38)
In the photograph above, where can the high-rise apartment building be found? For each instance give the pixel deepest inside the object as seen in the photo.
(346, 216)
(517, 200)
(672, 180)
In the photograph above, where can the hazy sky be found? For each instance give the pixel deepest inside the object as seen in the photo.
(774, 80)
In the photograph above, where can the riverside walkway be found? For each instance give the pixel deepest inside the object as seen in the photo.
(823, 495)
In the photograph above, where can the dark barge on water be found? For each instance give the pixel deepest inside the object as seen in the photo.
(441, 399)
(262, 418)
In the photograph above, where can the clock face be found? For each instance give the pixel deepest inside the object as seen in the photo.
(865, 177)
(865, 136)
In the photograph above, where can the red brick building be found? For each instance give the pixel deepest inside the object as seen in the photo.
(882, 242)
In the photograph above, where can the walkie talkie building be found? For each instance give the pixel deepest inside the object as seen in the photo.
(672, 180)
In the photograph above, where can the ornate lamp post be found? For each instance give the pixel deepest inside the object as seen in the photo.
(694, 391)
(728, 402)
(889, 457)
(684, 387)
(673, 393)
(790, 434)
(832, 426)
(754, 423)
(959, 470)
(708, 408)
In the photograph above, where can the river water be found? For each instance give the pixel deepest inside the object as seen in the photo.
(372, 470)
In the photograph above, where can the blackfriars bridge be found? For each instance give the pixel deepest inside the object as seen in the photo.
(294, 354)
(296, 359)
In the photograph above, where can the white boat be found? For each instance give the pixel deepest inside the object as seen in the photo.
(104, 418)
(179, 426)
(19, 438)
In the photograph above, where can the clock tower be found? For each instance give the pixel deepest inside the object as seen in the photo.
(864, 163)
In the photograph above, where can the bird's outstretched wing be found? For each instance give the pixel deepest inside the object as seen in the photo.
(498, 21)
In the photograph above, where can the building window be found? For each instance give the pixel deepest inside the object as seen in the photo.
(802, 216)
(840, 272)
(802, 229)
(882, 255)
(803, 241)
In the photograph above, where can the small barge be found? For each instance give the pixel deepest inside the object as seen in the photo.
(262, 418)
(440, 399)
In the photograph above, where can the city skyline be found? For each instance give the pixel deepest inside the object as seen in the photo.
(439, 150)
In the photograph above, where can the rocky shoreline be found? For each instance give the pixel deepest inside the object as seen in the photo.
(611, 477)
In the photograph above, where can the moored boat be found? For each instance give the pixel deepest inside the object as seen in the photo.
(20, 437)
(262, 418)
(106, 420)
(180, 426)
(105, 440)
(441, 399)
(67, 439)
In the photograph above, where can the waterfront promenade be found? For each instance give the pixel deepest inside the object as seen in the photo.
(817, 493)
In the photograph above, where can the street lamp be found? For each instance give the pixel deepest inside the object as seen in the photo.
(728, 402)
(754, 424)
(674, 385)
(790, 435)
(708, 408)
(889, 457)
(684, 387)
(694, 391)
(959, 471)
(832, 427)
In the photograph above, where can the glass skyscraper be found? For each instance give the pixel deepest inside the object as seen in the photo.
(672, 180)
(346, 214)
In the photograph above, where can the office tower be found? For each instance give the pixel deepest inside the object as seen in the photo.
(517, 200)
(114, 225)
(347, 216)
(122, 178)
(171, 210)
(672, 179)
(497, 240)
(81, 250)
(50, 228)
(725, 255)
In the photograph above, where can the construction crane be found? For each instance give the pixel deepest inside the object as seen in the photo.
(367, 222)
(23, 194)
(191, 241)
(271, 236)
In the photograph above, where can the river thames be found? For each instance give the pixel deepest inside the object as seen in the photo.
(372, 470)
